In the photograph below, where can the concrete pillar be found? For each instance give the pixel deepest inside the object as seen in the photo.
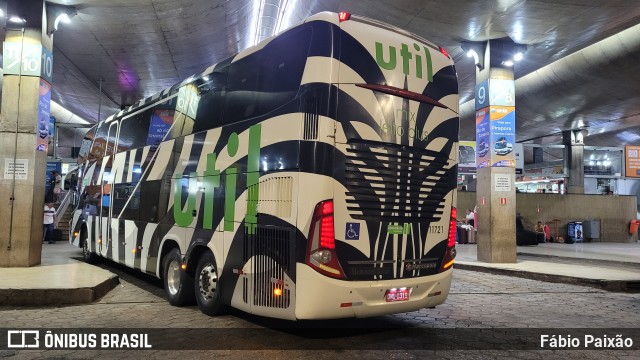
(23, 107)
(495, 142)
(573, 140)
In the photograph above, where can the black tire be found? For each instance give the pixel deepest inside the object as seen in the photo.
(178, 284)
(206, 287)
(87, 255)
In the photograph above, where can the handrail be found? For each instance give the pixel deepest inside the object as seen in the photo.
(62, 208)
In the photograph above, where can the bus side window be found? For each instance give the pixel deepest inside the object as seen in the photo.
(211, 104)
(98, 149)
(162, 117)
(134, 131)
(185, 110)
(267, 79)
(151, 199)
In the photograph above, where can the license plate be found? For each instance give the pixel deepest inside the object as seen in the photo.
(393, 295)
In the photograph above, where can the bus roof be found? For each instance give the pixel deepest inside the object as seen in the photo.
(327, 16)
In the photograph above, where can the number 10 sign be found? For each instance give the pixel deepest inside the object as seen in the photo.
(28, 60)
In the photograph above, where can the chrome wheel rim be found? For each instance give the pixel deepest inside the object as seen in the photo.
(173, 277)
(208, 280)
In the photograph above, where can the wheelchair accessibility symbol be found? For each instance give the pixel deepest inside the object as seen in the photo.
(352, 231)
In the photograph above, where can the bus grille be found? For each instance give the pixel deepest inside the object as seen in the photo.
(310, 110)
(272, 251)
(395, 183)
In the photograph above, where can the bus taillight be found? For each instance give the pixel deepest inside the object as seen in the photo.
(344, 16)
(321, 248)
(444, 52)
(452, 228)
(450, 253)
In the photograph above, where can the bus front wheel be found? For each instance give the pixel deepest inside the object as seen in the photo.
(206, 286)
(178, 284)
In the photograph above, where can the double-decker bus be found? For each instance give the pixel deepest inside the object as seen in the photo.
(311, 176)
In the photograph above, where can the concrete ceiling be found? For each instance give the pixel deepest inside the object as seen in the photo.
(581, 69)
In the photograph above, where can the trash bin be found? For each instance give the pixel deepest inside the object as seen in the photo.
(591, 229)
(633, 227)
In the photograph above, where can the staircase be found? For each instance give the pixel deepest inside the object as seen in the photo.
(63, 224)
(64, 214)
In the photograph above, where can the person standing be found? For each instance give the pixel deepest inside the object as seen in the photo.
(57, 184)
(470, 217)
(540, 235)
(48, 224)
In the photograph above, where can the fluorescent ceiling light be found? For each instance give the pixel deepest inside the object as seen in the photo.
(17, 20)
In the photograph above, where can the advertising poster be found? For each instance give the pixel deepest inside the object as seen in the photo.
(52, 127)
(503, 136)
(44, 106)
(467, 157)
(160, 123)
(482, 138)
(632, 160)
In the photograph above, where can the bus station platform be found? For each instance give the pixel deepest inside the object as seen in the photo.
(63, 278)
(608, 266)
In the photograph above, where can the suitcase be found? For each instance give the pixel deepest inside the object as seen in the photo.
(471, 236)
(57, 235)
(463, 236)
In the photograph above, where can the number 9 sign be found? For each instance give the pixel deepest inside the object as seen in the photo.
(481, 95)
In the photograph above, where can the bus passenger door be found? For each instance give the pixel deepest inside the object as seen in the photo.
(106, 210)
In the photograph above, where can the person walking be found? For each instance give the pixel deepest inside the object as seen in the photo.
(48, 224)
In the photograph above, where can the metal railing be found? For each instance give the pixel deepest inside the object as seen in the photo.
(62, 207)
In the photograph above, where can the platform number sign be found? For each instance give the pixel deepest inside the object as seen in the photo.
(27, 60)
(46, 64)
(502, 92)
(482, 95)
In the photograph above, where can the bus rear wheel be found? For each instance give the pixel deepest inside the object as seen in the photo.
(178, 284)
(206, 286)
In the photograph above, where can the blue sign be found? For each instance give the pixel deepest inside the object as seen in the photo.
(482, 95)
(482, 138)
(352, 231)
(46, 66)
(44, 118)
(160, 123)
(52, 126)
